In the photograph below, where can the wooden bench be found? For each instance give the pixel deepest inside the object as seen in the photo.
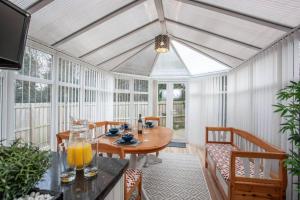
(243, 165)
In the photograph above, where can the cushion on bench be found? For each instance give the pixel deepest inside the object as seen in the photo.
(220, 153)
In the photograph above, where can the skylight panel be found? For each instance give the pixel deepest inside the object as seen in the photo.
(197, 63)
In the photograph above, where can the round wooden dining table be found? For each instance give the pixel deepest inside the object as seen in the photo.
(150, 141)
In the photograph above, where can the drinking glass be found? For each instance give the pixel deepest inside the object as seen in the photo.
(90, 157)
(66, 163)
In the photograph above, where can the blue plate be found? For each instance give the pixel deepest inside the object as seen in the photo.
(121, 141)
(109, 134)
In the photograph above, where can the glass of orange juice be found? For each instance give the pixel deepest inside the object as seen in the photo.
(66, 163)
(90, 157)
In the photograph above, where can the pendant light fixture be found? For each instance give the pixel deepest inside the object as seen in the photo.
(162, 43)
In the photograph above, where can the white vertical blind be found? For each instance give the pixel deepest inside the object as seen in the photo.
(32, 98)
(69, 77)
(50, 88)
(252, 90)
(207, 105)
(131, 98)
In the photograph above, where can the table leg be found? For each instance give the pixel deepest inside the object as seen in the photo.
(146, 164)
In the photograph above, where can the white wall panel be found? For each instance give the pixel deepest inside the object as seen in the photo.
(207, 106)
(252, 89)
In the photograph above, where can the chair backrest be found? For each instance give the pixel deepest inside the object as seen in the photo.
(153, 119)
(91, 126)
(110, 124)
(100, 128)
(110, 149)
(100, 124)
(62, 136)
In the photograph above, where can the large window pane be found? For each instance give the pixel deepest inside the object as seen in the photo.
(36, 64)
(129, 103)
(68, 106)
(33, 112)
(33, 98)
(68, 92)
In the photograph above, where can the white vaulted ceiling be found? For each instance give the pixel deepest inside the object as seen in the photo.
(118, 36)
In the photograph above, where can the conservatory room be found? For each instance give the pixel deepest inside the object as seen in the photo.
(149, 99)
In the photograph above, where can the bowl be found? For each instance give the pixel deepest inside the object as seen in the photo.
(127, 137)
(126, 126)
(149, 124)
(113, 130)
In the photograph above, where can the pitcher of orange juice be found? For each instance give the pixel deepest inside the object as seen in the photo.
(81, 152)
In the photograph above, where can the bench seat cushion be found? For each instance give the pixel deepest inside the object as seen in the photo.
(220, 154)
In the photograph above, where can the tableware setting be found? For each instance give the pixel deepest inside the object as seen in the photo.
(113, 132)
(127, 139)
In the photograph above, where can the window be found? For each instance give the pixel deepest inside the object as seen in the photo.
(141, 100)
(122, 100)
(68, 92)
(36, 64)
(131, 98)
(91, 94)
(198, 63)
(33, 98)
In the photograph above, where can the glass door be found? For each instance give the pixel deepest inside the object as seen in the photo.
(162, 103)
(178, 114)
(172, 108)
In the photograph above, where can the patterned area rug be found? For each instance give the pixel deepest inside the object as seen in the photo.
(177, 144)
(179, 176)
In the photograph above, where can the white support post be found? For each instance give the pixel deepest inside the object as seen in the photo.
(82, 94)
(10, 99)
(4, 107)
(54, 103)
(131, 105)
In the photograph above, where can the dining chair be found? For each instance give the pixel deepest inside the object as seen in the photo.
(133, 177)
(100, 127)
(64, 135)
(110, 124)
(153, 119)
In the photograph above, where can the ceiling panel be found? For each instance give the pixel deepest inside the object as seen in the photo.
(123, 45)
(231, 61)
(210, 41)
(118, 60)
(24, 3)
(61, 18)
(111, 29)
(285, 12)
(169, 64)
(140, 64)
(231, 27)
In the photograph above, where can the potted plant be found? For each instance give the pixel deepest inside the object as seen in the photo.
(289, 109)
(21, 167)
